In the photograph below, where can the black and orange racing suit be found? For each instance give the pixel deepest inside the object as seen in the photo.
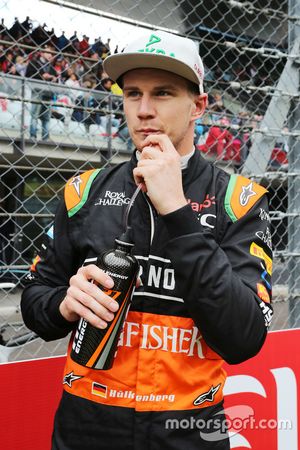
(204, 298)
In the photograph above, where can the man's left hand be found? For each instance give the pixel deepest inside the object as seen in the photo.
(159, 172)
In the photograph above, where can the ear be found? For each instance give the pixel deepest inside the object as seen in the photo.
(200, 103)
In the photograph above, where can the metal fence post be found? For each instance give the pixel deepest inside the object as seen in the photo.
(109, 128)
(294, 185)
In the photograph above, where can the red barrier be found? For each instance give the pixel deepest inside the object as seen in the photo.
(30, 392)
(261, 399)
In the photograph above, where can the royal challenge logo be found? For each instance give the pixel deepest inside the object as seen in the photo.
(113, 198)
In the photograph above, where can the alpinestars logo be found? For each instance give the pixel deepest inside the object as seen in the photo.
(70, 377)
(208, 396)
(76, 182)
(246, 194)
(112, 198)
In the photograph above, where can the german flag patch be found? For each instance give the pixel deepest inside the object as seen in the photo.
(241, 195)
(77, 190)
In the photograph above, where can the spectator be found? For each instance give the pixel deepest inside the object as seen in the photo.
(200, 129)
(216, 105)
(15, 31)
(41, 68)
(104, 105)
(3, 30)
(116, 90)
(78, 67)
(94, 68)
(8, 63)
(105, 53)
(62, 42)
(53, 39)
(98, 46)
(84, 46)
(26, 26)
(73, 83)
(20, 66)
(218, 139)
(107, 46)
(59, 67)
(40, 36)
(75, 41)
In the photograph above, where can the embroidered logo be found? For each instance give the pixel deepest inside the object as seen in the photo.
(69, 378)
(76, 182)
(112, 198)
(246, 194)
(208, 396)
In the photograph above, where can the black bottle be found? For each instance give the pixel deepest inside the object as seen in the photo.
(93, 347)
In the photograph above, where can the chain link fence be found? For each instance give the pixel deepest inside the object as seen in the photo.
(60, 115)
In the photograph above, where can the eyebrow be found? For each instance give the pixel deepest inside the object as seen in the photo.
(156, 88)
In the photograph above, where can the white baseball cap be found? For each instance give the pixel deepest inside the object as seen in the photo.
(158, 50)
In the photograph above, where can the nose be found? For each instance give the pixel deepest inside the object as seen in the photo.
(146, 108)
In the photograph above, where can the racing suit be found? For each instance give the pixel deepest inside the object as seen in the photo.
(205, 297)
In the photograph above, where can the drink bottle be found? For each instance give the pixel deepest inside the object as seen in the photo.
(93, 347)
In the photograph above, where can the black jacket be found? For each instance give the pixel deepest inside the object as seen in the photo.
(205, 294)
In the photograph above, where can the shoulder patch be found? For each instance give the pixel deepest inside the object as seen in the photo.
(241, 195)
(77, 190)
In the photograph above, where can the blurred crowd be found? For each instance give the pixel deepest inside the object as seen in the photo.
(38, 53)
(224, 136)
(75, 61)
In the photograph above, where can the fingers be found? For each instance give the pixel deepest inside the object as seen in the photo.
(161, 140)
(93, 272)
(87, 300)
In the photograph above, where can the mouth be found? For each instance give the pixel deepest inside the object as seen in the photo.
(148, 131)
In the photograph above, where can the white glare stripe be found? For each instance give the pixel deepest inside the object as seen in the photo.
(164, 297)
(157, 258)
(90, 259)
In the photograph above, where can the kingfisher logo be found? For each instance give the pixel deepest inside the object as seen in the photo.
(112, 198)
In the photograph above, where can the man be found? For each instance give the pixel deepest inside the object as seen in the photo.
(205, 270)
(41, 68)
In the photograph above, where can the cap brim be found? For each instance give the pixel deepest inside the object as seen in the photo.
(116, 65)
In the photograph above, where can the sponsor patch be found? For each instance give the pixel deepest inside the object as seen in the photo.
(77, 190)
(36, 260)
(99, 389)
(208, 396)
(207, 220)
(263, 215)
(112, 198)
(259, 252)
(69, 378)
(265, 236)
(267, 312)
(264, 276)
(262, 293)
(207, 203)
(241, 195)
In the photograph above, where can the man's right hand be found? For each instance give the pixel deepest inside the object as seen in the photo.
(85, 299)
